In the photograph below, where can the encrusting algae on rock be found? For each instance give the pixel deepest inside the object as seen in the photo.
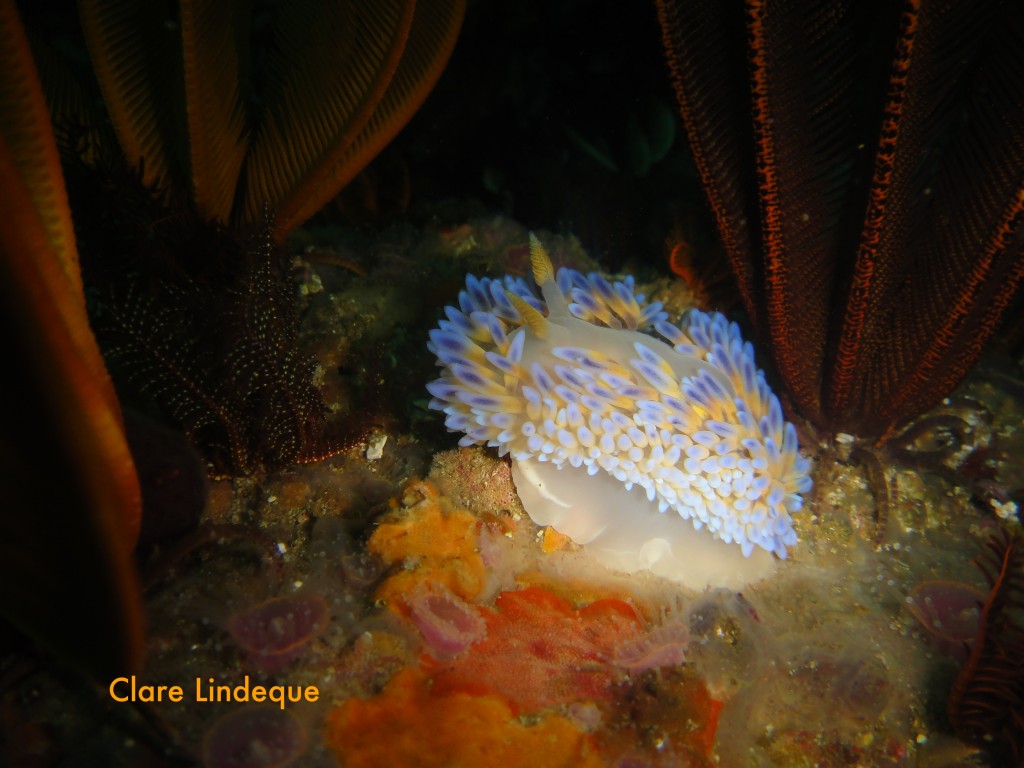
(526, 677)
(422, 729)
(541, 652)
(439, 542)
(656, 446)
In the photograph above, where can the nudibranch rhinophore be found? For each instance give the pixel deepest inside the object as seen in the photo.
(655, 446)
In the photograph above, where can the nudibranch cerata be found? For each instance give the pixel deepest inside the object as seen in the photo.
(655, 446)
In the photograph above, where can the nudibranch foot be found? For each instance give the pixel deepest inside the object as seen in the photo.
(656, 446)
(622, 530)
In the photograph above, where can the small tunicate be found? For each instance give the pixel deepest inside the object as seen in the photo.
(448, 624)
(949, 611)
(254, 737)
(276, 632)
(662, 646)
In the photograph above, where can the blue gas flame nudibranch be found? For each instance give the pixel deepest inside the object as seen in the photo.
(656, 446)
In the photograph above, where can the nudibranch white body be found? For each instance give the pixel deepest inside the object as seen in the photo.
(655, 446)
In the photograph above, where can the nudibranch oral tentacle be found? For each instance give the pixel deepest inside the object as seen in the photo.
(656, 446)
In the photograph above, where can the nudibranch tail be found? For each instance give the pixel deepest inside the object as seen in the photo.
(658, 445)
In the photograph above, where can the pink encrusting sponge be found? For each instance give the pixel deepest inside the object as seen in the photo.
(655, 446)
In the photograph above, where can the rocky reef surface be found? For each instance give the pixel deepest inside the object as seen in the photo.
(404, 583)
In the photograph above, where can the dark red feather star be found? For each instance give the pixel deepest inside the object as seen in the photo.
(865, 165)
